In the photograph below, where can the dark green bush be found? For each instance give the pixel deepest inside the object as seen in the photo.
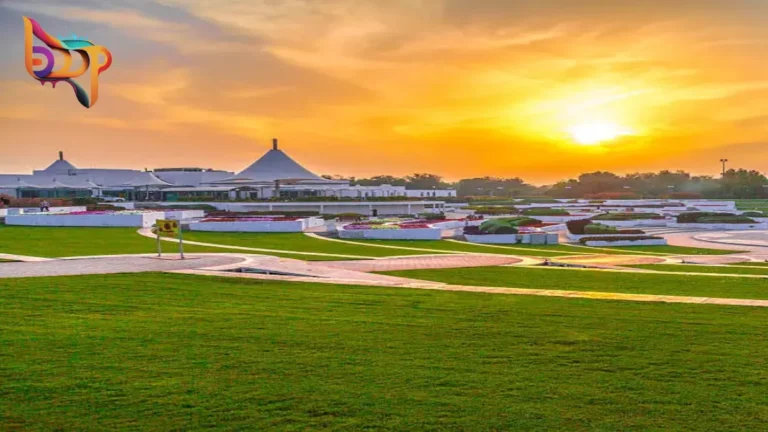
(545, 211)
(599, 229)
(627, 216)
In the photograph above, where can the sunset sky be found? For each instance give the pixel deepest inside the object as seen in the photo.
(540, 89)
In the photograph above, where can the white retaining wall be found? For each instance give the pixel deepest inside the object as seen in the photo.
(143, 220)
(184, 214)
(637, 223)
(298, 225)
(513, 238)
(393, 234)
(577, 237)
(721, 226)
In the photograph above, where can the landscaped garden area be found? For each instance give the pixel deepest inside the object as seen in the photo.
(161, 352)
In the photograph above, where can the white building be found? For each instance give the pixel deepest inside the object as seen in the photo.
(273, 175)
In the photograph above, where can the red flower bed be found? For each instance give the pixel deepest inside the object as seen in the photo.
(252, 219)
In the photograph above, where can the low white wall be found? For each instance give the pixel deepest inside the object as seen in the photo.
(143, 220)
(184, 214)
(577, 237)
(392, 234)
(542, 239)
(721, 226)
(298, 225)
(637, 223)
(659, 242)
(28, 210)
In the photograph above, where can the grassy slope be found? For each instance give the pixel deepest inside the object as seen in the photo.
(594, 280)
(294, 242)
(65, 242)
(704, 269)
(160, 352)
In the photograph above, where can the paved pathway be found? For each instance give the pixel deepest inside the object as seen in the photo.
(409, 283)
(426, 262)
(114, 264)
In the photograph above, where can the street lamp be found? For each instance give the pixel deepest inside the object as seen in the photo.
(723, 161)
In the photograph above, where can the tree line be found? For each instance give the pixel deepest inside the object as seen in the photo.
(735, 183)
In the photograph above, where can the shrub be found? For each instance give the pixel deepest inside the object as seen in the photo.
(734, 219)
(432, 216)
(756, 214)
(577, 226)
(545, 211)
(712, 217)
(506, 225)
(584, 240)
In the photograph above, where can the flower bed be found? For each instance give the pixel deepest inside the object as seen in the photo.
(389, 229)
(257, 224)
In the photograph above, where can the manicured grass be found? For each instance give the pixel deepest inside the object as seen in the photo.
(695, 268)
(295, 242)
(672, 250)
(448, 246)
(57, 242)
(751, 264)
(6, 260)
(179, 352)
(595, 280)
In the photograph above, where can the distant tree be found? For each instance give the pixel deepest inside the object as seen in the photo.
(425, 181)
(494, 186)
(382, 179)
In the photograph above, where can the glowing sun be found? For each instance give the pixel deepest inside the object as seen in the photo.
(596, 133)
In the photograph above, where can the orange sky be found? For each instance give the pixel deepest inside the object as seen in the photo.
(458, 88)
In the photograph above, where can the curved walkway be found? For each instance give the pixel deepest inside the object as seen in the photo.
(114, 264)
(427, 262)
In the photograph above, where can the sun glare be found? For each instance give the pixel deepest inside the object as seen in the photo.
(596, 133)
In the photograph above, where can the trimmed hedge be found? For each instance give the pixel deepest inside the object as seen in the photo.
(713, 217)
(544, 211)
(754, 214)
(600, 229)
(577, 226)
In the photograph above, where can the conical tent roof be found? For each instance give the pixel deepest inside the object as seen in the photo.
(146, 179)
(275, 165)
(60, 166)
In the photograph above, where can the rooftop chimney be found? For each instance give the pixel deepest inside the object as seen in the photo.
(61, 155)
(274, 143)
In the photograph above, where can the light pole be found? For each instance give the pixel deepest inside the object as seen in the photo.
(723, 161)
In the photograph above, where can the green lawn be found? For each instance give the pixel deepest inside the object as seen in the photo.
(448, 246)
(671, 250)
(695, 268)
(66, 242)
(179, 352)
(294, 242)
(6, 260)
(595, 280)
